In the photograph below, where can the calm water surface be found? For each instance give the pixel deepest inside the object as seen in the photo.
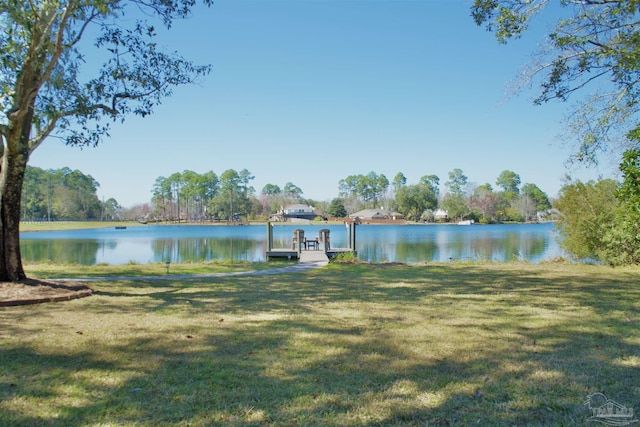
(374, 243)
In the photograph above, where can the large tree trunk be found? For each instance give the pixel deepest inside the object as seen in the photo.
(11, 177)
(14, 157)
(13, 164)
(10, 257)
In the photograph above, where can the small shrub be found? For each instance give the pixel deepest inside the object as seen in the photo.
(346, 258)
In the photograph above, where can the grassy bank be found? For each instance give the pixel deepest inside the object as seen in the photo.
(73, 225)
(345, 345)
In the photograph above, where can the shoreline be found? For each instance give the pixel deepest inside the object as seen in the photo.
(35, 226)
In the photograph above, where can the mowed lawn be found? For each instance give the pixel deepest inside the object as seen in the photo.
(345, 345)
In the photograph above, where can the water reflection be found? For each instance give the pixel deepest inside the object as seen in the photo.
(207, 249)
(412, 252)
(413, 244)
(374, 243)
(79, 251)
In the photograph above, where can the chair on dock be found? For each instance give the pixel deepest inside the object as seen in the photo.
(298, 233)
(309, 244)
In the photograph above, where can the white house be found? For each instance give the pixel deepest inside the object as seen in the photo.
(298, 211)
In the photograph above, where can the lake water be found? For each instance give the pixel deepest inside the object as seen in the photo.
(374, 243)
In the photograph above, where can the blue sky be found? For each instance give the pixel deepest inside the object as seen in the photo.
(312, 91)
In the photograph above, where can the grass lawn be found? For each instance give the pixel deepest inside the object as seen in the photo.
(58, 270)
(345, 345)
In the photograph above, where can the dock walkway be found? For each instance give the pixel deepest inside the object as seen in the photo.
(318, 258)
(317, 250)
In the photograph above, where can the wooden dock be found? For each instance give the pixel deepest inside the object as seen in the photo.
(306, 255)
(321, 250)
(314, 257)
(282, 253)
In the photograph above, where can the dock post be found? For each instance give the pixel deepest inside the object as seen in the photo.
(348, 225)
(352, 236)
(299, 238)
(324, 238)
(269, 236)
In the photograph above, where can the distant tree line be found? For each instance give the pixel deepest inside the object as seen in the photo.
(197, 197)
(63, 194)
(229, 196)
(461, 200)
(190, 196)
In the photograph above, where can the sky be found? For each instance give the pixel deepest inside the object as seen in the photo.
(313, 91)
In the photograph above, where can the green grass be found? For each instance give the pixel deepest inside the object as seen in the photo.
(345, 345)
(53, 270)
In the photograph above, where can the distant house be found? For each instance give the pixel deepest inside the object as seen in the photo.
(396, 215)
(441, 215)
(373, 214)
(299, 211)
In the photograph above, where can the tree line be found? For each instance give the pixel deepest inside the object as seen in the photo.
(461, 199)
(190, 196)
(229, 196)
(64, 194)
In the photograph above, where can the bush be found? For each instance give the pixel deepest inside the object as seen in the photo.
(622, 240)
(588, 211)
(346, 258)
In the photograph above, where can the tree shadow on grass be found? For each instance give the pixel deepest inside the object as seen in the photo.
(381, 346)
(257, 378)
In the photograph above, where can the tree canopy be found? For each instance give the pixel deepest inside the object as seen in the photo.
(42, 68)
(63, 194)
(47, 87)
(369, 188)
(509, 181)
(414, 200)
(592, 55)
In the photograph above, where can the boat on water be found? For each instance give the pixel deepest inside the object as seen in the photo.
(466, 222)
